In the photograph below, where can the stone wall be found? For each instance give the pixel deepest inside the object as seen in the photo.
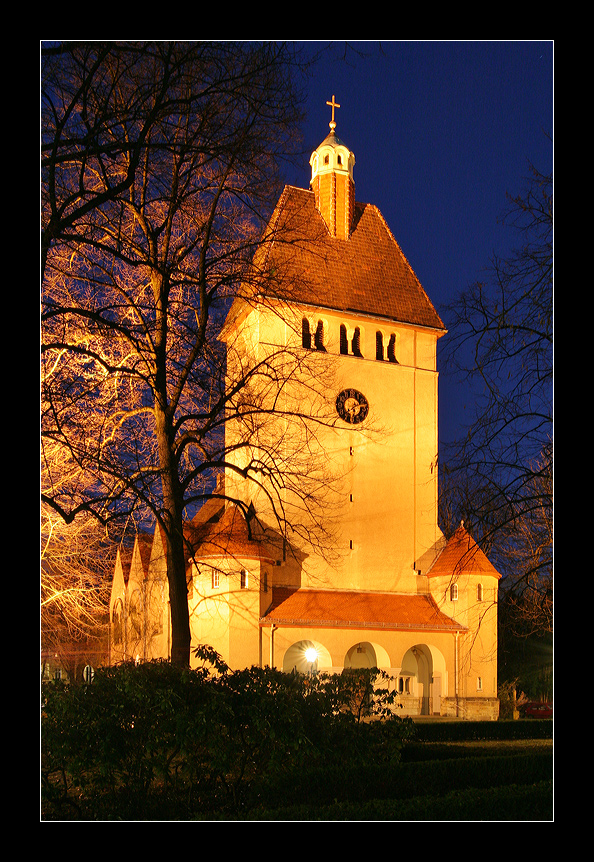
(471, 708)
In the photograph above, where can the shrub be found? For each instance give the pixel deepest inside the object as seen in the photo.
(130, 728)
(152, 734)
(357, 783)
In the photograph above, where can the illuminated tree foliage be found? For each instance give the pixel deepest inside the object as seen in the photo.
(159, 170)
(499, 477)
(77, 561)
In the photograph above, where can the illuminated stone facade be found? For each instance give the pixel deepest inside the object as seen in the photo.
(383, 588)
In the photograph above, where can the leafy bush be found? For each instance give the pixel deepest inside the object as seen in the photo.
(132, 727)
(152, 737)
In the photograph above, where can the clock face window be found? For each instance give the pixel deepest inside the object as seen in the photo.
(352, 406)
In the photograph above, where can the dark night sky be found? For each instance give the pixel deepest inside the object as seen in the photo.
(441, 131)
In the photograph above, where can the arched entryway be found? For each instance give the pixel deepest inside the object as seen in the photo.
(306, 656)
(422, 677)
(366, 654)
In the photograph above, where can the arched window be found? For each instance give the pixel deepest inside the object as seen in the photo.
(379, 345)
(344, 344)
(356, 342)
(305, 333)
(319, 336)
(392, 349)
(454, 593)
(244, 579)
(479, 592)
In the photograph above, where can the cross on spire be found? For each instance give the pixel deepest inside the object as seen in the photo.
(333, 105)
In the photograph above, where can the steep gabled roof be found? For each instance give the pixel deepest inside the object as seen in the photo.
(462, 556)
(144, 544)
(125, 558)
(210, 511)
(354, 609)
(367, 273)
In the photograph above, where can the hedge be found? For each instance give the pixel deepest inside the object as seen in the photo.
(464, 731)
(509, 803)
(401, 781)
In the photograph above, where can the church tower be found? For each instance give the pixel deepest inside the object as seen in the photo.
(356, 300)
(393, 593)
(343, 338)
(351, 311)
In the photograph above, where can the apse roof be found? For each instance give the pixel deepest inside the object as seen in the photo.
(355, 609)
(229, 536)
(462, 555)
(367, 273)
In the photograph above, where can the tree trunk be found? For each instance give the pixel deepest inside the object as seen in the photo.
(171, 491)
(172, 522)
(178, 599)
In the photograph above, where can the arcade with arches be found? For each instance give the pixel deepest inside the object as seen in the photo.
(419, 675)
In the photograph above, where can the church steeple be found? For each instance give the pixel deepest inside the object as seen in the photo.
(332, 181)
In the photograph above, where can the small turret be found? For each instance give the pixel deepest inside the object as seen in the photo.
(332, 181)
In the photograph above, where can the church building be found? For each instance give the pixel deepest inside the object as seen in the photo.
(363, 577)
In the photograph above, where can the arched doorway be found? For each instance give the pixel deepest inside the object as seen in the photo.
(367, 654)
(422, 675)
(361, 655)
(306, 656)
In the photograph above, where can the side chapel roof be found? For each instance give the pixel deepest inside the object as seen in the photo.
(355, 609)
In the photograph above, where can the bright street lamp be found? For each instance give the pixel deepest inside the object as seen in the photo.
(311, 655)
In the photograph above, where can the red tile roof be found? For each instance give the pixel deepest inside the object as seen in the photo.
(228, 537)
(353, 609)
(367, 273)
(462, 555)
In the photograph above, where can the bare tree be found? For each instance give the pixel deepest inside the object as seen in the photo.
(76, 567)
(528, 599)
(498, 477)
(159, 166)
(77, 562)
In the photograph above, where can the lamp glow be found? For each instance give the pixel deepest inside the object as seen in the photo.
(311, 654)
